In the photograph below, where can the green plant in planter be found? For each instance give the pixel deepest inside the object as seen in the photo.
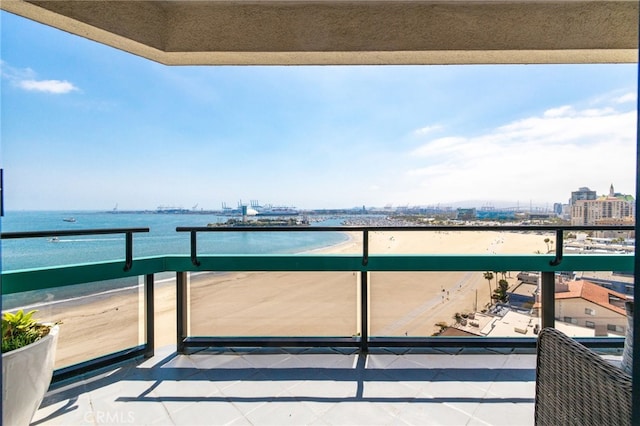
(20, 330)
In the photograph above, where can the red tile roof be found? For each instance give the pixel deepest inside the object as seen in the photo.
(593, 293)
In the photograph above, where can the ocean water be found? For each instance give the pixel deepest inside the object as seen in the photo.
(161, 240)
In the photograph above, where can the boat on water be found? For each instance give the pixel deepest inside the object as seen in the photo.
(54, 240)
(278, 211)
(262, 222)
(171, 210)
(69, 219)
(270, 210)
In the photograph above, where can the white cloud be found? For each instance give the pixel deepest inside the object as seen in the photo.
(557, 112)
(426, 130)
(26, 79)
(629, 97)
(47, 86)
(542, 158)
(15, 74)
(440, 146)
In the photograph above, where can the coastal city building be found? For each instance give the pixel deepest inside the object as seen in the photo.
(557, 208)
(583, 193)
(582, 308)
(611, 209)
(466, 214)
(589, 305)
(510, 323)
(619, 281)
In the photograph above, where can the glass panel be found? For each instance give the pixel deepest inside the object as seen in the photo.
(97, 318)
(273, 304)
(423, 304)
(165, 309)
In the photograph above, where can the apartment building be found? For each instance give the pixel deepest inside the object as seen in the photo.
(611, 209)
(589, 305)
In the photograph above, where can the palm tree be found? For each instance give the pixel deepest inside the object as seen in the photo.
(489, 276)
(501, 291)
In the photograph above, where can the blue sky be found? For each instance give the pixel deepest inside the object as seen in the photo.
(85, 126)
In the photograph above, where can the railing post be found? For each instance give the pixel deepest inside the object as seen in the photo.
(128, 250)
(1, 193)
(559, 248)
(194, 249)
(149, 315)
(548, 290)
(364, 312)
(181, 310)
(364, 295)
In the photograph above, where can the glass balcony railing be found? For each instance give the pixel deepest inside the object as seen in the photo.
(417, 296)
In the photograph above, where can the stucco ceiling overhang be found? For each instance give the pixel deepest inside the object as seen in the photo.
(266, 32)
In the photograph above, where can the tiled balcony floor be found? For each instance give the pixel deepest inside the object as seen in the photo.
(303, 386)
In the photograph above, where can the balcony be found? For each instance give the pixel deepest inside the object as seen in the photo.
(303, 386)
(356, 375)
(353, 369)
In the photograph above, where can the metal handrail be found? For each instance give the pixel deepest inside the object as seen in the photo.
(558, 229)
(146, 350)
(69, 232)
(303, 228)
(76, 232)
(40, 278)
(363, 342)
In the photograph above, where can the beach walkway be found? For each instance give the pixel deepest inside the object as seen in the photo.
(303, 386)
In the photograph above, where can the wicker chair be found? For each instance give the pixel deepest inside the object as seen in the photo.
(575, 386)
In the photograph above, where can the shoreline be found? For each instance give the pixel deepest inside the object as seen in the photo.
(353, 239)
(164, 281)
(296, 303)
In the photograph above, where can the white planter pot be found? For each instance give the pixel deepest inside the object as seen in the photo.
(26, 375)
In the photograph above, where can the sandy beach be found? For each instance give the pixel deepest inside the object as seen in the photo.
(298, 304)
